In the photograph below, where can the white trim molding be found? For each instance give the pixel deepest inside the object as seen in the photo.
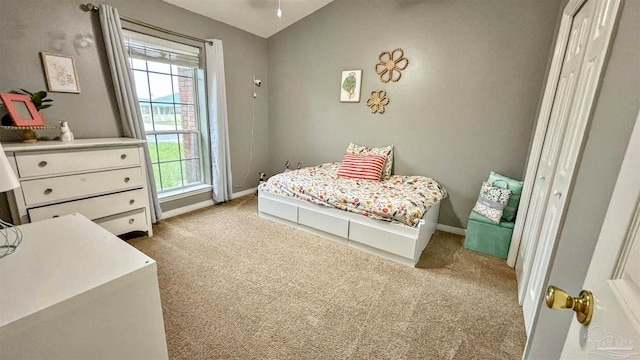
(186, 209)
(202, 204)
(452, 229)
(184, 193)
(244, 193)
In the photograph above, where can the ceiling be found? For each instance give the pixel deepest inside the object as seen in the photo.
(255, 16)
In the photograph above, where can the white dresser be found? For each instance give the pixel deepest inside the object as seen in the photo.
(103, 179)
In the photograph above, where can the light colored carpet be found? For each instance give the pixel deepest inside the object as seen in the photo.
(236, 286)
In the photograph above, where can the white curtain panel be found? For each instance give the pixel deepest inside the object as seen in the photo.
(218, 123)
(130, 116)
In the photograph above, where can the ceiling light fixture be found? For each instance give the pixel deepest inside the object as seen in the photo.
(279, 12)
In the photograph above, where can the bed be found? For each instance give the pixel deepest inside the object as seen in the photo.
(392, 218)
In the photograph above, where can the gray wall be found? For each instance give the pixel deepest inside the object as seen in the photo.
(29, 27)
(615, 114)
(465, 105)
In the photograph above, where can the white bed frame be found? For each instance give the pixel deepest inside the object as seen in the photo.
(394, 241)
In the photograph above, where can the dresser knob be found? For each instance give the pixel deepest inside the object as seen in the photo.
(131, 221)
(48, 191)
(123, 156)
(42, 164)
(126, 180)
(131, 202)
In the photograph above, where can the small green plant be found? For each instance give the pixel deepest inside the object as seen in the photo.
(38, 98)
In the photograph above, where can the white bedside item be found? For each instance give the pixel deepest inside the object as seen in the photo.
(103, 179)
(10, 237)
(8, 179)
(73, 290)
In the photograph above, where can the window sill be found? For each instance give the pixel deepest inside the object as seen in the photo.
(183, 193)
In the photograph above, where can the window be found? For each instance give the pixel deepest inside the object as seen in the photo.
(166, 76)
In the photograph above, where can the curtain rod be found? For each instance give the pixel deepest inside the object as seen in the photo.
(91, 7)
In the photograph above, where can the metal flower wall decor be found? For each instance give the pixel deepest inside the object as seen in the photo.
(391, 65)
(378, 101)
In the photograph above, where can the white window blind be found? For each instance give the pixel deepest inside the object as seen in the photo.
(150, 48)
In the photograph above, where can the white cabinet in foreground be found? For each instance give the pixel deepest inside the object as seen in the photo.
(73, 290)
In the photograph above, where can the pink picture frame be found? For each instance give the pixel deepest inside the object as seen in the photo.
(21, 109)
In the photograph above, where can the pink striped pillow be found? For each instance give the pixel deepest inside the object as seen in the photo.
(361, 166)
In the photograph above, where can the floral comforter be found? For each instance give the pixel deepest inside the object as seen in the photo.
(401, 198)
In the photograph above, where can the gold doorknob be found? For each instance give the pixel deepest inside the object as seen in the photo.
(558, 299)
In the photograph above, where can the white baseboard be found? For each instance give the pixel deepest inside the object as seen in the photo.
(203, 204)
(243, 193)
(186, 209)
(452, 229)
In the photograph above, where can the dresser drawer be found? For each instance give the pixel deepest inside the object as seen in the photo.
(93, 208)
(47, 190)
(51, 163)
(135, 220)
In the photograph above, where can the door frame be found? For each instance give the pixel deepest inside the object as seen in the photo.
(562, 40)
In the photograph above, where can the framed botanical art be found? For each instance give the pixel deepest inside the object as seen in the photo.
(21, 109)
(60, 71)
(350, 86)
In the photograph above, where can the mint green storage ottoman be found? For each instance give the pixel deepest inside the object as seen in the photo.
(487, 237)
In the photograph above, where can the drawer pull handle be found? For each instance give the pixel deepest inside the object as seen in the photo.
(131, 221)
(126, 180)
(48, 191)
(55, 216)
(42, 163)
(123, 156)
(131, 202)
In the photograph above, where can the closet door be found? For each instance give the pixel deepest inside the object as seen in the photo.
(564, 99)
(579, 117)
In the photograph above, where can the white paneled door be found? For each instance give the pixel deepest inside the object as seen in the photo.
(565, 96)
(588, 28)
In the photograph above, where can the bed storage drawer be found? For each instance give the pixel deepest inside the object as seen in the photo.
(93, 208)
(389, 241)
(278, 209)
(330, 224)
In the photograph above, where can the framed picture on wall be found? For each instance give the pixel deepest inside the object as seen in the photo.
(60, 71)
(350, 86)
